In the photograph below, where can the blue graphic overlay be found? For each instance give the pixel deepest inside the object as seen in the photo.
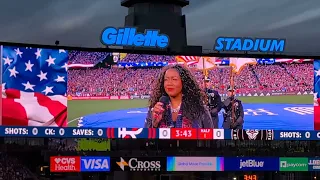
(248, 44)
(314, 164)
(316, 65)
(91, 164)
(251, 164)
(171, 163)
(257, 116)
(129, 36)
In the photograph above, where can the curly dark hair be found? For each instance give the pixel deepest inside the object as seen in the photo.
(193, 97)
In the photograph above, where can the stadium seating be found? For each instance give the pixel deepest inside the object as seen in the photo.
(82, 57)
(252, 79)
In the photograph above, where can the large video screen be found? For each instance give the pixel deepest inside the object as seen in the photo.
(60, 88)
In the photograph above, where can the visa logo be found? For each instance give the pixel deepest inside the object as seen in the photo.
(95, 164)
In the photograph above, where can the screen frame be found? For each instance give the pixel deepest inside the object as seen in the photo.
(159, 52)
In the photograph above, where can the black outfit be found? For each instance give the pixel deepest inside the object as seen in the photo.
(228, 122)
(215, 105)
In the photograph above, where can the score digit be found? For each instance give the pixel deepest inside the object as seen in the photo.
(218, 133)
(307, 135)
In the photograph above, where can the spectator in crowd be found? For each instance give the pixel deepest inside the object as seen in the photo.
(147, 58)
(11, 168)
(83, 57)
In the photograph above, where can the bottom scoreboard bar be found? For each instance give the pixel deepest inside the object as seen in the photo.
(160, 133)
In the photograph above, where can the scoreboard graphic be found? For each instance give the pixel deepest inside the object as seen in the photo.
(160, 133)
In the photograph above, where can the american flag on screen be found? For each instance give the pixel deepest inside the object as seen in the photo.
(34, 84)
(316, 94)
(316, 65)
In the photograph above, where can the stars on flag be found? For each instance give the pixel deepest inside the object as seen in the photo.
(13, 72)
(7, 60)
(48, 90)
(18, 52)
(317, 72)
(42, 76)
(35, 70)
(62, 51)
(51, 61)
(60, 79)
(28, 86)
(38, 53)
(29, 66)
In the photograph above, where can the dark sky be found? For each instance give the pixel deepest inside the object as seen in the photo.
(80, 22)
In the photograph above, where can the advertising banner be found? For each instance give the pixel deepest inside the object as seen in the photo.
(79, 164)
(138, 164)
(65, 164)
(90, 164)
(195, 164)
(293, 164)
(251, 164)
(314, 164)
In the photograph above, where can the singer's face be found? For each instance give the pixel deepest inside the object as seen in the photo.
(208, 84)
(230, 93)
(172, 83)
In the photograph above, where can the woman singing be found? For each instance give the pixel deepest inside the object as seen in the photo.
(182, 101)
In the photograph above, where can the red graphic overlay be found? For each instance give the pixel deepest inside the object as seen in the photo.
(65, 164)
(183, 133)
(205, 133)
(316, 117)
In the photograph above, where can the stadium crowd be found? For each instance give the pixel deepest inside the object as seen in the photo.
(147, 58)
(132, 81)
(82, 57)
(12, 169)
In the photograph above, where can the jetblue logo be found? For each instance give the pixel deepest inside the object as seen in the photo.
(129, 37)
(95, 164)
(248, 44)
(251, 163)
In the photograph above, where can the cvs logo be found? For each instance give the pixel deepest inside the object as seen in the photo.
(65, 164)
(95, 164)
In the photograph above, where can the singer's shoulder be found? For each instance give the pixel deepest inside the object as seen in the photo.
(239, 101)
(213, 91)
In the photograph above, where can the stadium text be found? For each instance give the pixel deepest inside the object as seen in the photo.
(129, 37)
(248, 44)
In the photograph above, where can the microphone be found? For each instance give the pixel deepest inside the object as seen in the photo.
(165, 101)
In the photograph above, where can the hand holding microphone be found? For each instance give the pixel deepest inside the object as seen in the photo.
(158, 110)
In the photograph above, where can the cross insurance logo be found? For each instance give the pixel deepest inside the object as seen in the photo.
(140, 164)
(65, 164)
(129, 36)
(251, 164)
(93, 164)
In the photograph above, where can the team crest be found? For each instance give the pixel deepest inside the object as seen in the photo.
(252, 134)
